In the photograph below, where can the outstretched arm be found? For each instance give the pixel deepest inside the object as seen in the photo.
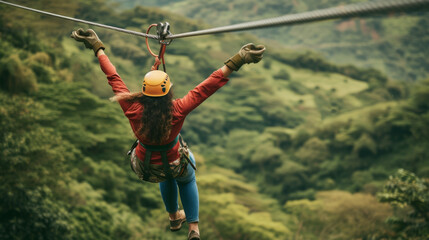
(114, 80)
(91, 41)
(249, 53)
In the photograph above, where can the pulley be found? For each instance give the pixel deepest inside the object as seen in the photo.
(162, 31)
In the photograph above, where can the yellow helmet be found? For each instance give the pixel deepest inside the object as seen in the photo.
(156, 83)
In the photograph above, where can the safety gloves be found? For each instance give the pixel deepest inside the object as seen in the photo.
(89, 38)
(249, 53)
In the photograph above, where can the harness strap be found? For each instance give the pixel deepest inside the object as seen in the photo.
(158, 148)
(166, 165)
(163, 150)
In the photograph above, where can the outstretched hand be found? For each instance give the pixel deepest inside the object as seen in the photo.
(89, 38)
(249, 53)
(252, 53)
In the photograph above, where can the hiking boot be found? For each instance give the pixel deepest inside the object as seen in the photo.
(176, 225)
(193, 235)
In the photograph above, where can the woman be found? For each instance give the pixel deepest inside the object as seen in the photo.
(156, 120)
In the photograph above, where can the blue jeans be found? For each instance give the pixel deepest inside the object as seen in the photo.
(188, 193)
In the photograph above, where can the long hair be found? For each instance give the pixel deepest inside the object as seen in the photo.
(157, 115)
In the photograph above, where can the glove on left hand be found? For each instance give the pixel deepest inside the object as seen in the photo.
(89, 38)
(249, 53)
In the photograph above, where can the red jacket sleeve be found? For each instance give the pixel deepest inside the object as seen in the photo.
(200, 93)
(118, 86)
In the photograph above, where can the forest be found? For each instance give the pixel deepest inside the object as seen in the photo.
(303, 145)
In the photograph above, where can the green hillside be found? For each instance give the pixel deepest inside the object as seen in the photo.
(288, 149)
(394, 44)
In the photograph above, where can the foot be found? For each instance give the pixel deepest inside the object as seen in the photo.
(177, 220)
(193, 235)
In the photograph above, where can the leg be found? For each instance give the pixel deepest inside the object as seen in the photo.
(189, 196)
(190, 202)
(169, 195)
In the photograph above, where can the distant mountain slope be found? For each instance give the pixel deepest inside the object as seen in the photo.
(394, 44)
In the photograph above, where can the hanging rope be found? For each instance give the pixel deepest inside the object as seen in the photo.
(353, 10)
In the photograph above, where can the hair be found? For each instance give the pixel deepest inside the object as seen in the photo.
(157, 114)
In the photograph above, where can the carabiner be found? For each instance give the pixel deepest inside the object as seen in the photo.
(163, 30)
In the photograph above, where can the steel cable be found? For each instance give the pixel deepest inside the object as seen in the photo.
(353, 10)
(82, 21)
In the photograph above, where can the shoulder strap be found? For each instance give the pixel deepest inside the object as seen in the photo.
(166, 165)
(159, 148)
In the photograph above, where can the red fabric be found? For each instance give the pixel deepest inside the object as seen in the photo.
(181, 107)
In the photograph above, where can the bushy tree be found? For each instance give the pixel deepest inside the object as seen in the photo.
(234, 210)
(32, 159)
(405, 190)
(283, 74)
(365, 146)
(16, 77)
(313, 152)
(340, 215)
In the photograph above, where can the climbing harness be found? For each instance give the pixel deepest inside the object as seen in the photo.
(352, 10)
(165, 164)
(159, 173)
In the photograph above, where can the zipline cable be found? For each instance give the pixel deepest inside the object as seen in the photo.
(353, 10)
(82, 21)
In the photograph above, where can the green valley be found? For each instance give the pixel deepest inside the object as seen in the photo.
(294, 147)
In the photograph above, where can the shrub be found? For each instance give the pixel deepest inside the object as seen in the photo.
(340, 214)
(42, 58)
(365, 146)
(16, 77)
(283, 74)
(267, 64)
(406, 190)
(313, 152)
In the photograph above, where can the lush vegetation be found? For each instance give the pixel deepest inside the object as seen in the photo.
(393, 44)
(295, 147)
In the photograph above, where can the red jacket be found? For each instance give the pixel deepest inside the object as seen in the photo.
(181, 107)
